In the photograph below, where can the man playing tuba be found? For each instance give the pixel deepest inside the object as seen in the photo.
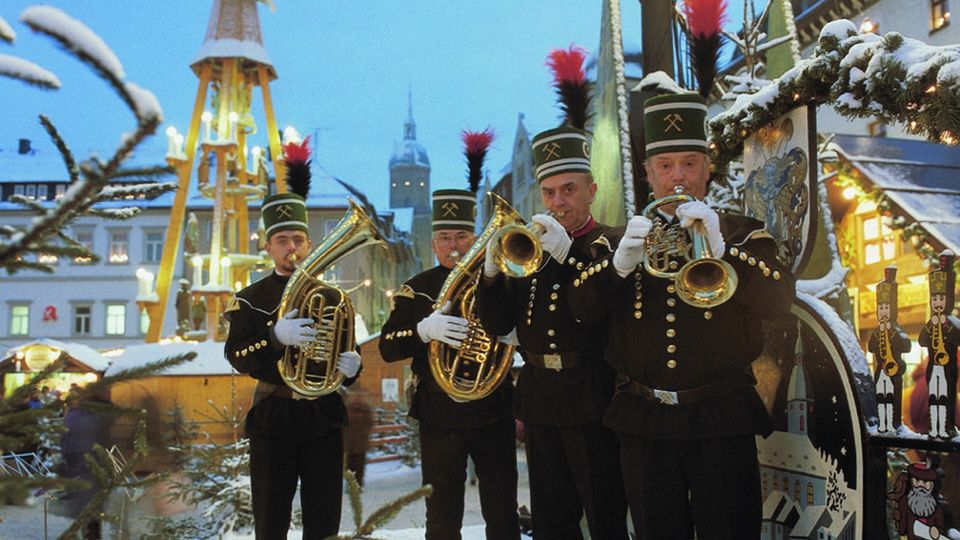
(685, 408)
(450, 431)
(291, 436)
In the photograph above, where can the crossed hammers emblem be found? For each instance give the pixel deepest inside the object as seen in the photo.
(673, 122)
(551, 150)
(450, 209)
(284, 211)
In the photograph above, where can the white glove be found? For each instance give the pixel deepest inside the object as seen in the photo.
(349, 363)
(698, 211)
(629, 253)
(446, 328)
(292, 331)
(490, 267)
(509, 339)
(555, 239)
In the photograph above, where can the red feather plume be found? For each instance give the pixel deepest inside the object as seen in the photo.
(570, 82)
(475, 146)
(297, 156)
(705, 20)
(567, 65)
(297, 152)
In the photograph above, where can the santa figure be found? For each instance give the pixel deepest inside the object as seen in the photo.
(918, 513)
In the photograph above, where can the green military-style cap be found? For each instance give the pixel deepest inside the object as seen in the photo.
(454, 209)
(675, 123)
(560, 150)
(284, 211)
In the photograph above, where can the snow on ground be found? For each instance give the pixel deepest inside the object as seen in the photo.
(385, 482)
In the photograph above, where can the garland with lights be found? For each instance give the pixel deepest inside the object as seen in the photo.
(889, 78)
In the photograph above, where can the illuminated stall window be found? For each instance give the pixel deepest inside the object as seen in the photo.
(879, 241)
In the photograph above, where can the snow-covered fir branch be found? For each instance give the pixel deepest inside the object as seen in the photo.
(90, 181)
(6, 32)
(28, 72)
(891, 78)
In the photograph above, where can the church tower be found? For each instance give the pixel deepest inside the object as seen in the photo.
(410, 184)
(799, 404)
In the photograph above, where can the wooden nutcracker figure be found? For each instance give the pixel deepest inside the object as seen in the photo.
(888, 343)
(941, 336)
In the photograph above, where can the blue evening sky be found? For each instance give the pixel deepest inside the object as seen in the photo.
(344, 69)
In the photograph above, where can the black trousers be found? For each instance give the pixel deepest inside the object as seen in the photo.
(275, 467)
(675, 487)
(575, 470)
(444, 464)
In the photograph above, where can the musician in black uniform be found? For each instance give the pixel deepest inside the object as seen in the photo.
(450, 431)
(686, 409)
(291, 436)
(940, 335)
(565, 385)
(888, 343)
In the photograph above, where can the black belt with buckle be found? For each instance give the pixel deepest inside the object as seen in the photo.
(558, 361)
(728, 385)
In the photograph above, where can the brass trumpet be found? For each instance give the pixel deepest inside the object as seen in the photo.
(704, 281)
(516, 246)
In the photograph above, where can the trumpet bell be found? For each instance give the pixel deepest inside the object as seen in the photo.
(706, 283)
(517, 250)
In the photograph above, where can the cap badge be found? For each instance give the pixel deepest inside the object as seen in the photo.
(673, 122)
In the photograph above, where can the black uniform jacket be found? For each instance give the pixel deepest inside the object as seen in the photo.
(252, 349)
(399, 340)
(951, 342)
(659, 341)
(538, 307)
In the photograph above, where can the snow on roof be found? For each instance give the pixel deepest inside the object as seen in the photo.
(810, 520)
(79, 352)
(918, 176)
(233, 48)
(209, 360)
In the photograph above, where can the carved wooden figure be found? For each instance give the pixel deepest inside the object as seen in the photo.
(888, 343)
(941, 336)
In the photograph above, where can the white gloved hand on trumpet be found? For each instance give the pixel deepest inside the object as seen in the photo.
(293, 331)
(554, 239)
(629, 253)
(694, 211)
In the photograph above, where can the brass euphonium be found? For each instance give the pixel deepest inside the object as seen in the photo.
(516, 245)
(704, 281)
(477, 368)
(311, 369)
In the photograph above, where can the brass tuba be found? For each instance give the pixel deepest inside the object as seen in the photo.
(311, 370)
(703, 281)
(478, 367)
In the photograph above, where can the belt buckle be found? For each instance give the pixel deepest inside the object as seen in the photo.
(665, 396)
(553, 361)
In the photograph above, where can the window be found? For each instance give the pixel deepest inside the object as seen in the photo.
(879, 241)
(19, 320)
(116, 320)
(939, 14)
(84, 237)
(152, 246)
(42, 192)
(118, 247)
(81, 320)
(61, 191)
(809, 493)
(18, 189)
(144, 322)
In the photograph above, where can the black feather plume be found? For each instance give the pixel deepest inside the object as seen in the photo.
(297, 156)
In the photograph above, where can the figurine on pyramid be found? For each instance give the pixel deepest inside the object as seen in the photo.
(941, 337)
(888, 343)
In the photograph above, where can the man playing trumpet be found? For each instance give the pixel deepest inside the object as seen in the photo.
(685, 409)
(564, 385)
